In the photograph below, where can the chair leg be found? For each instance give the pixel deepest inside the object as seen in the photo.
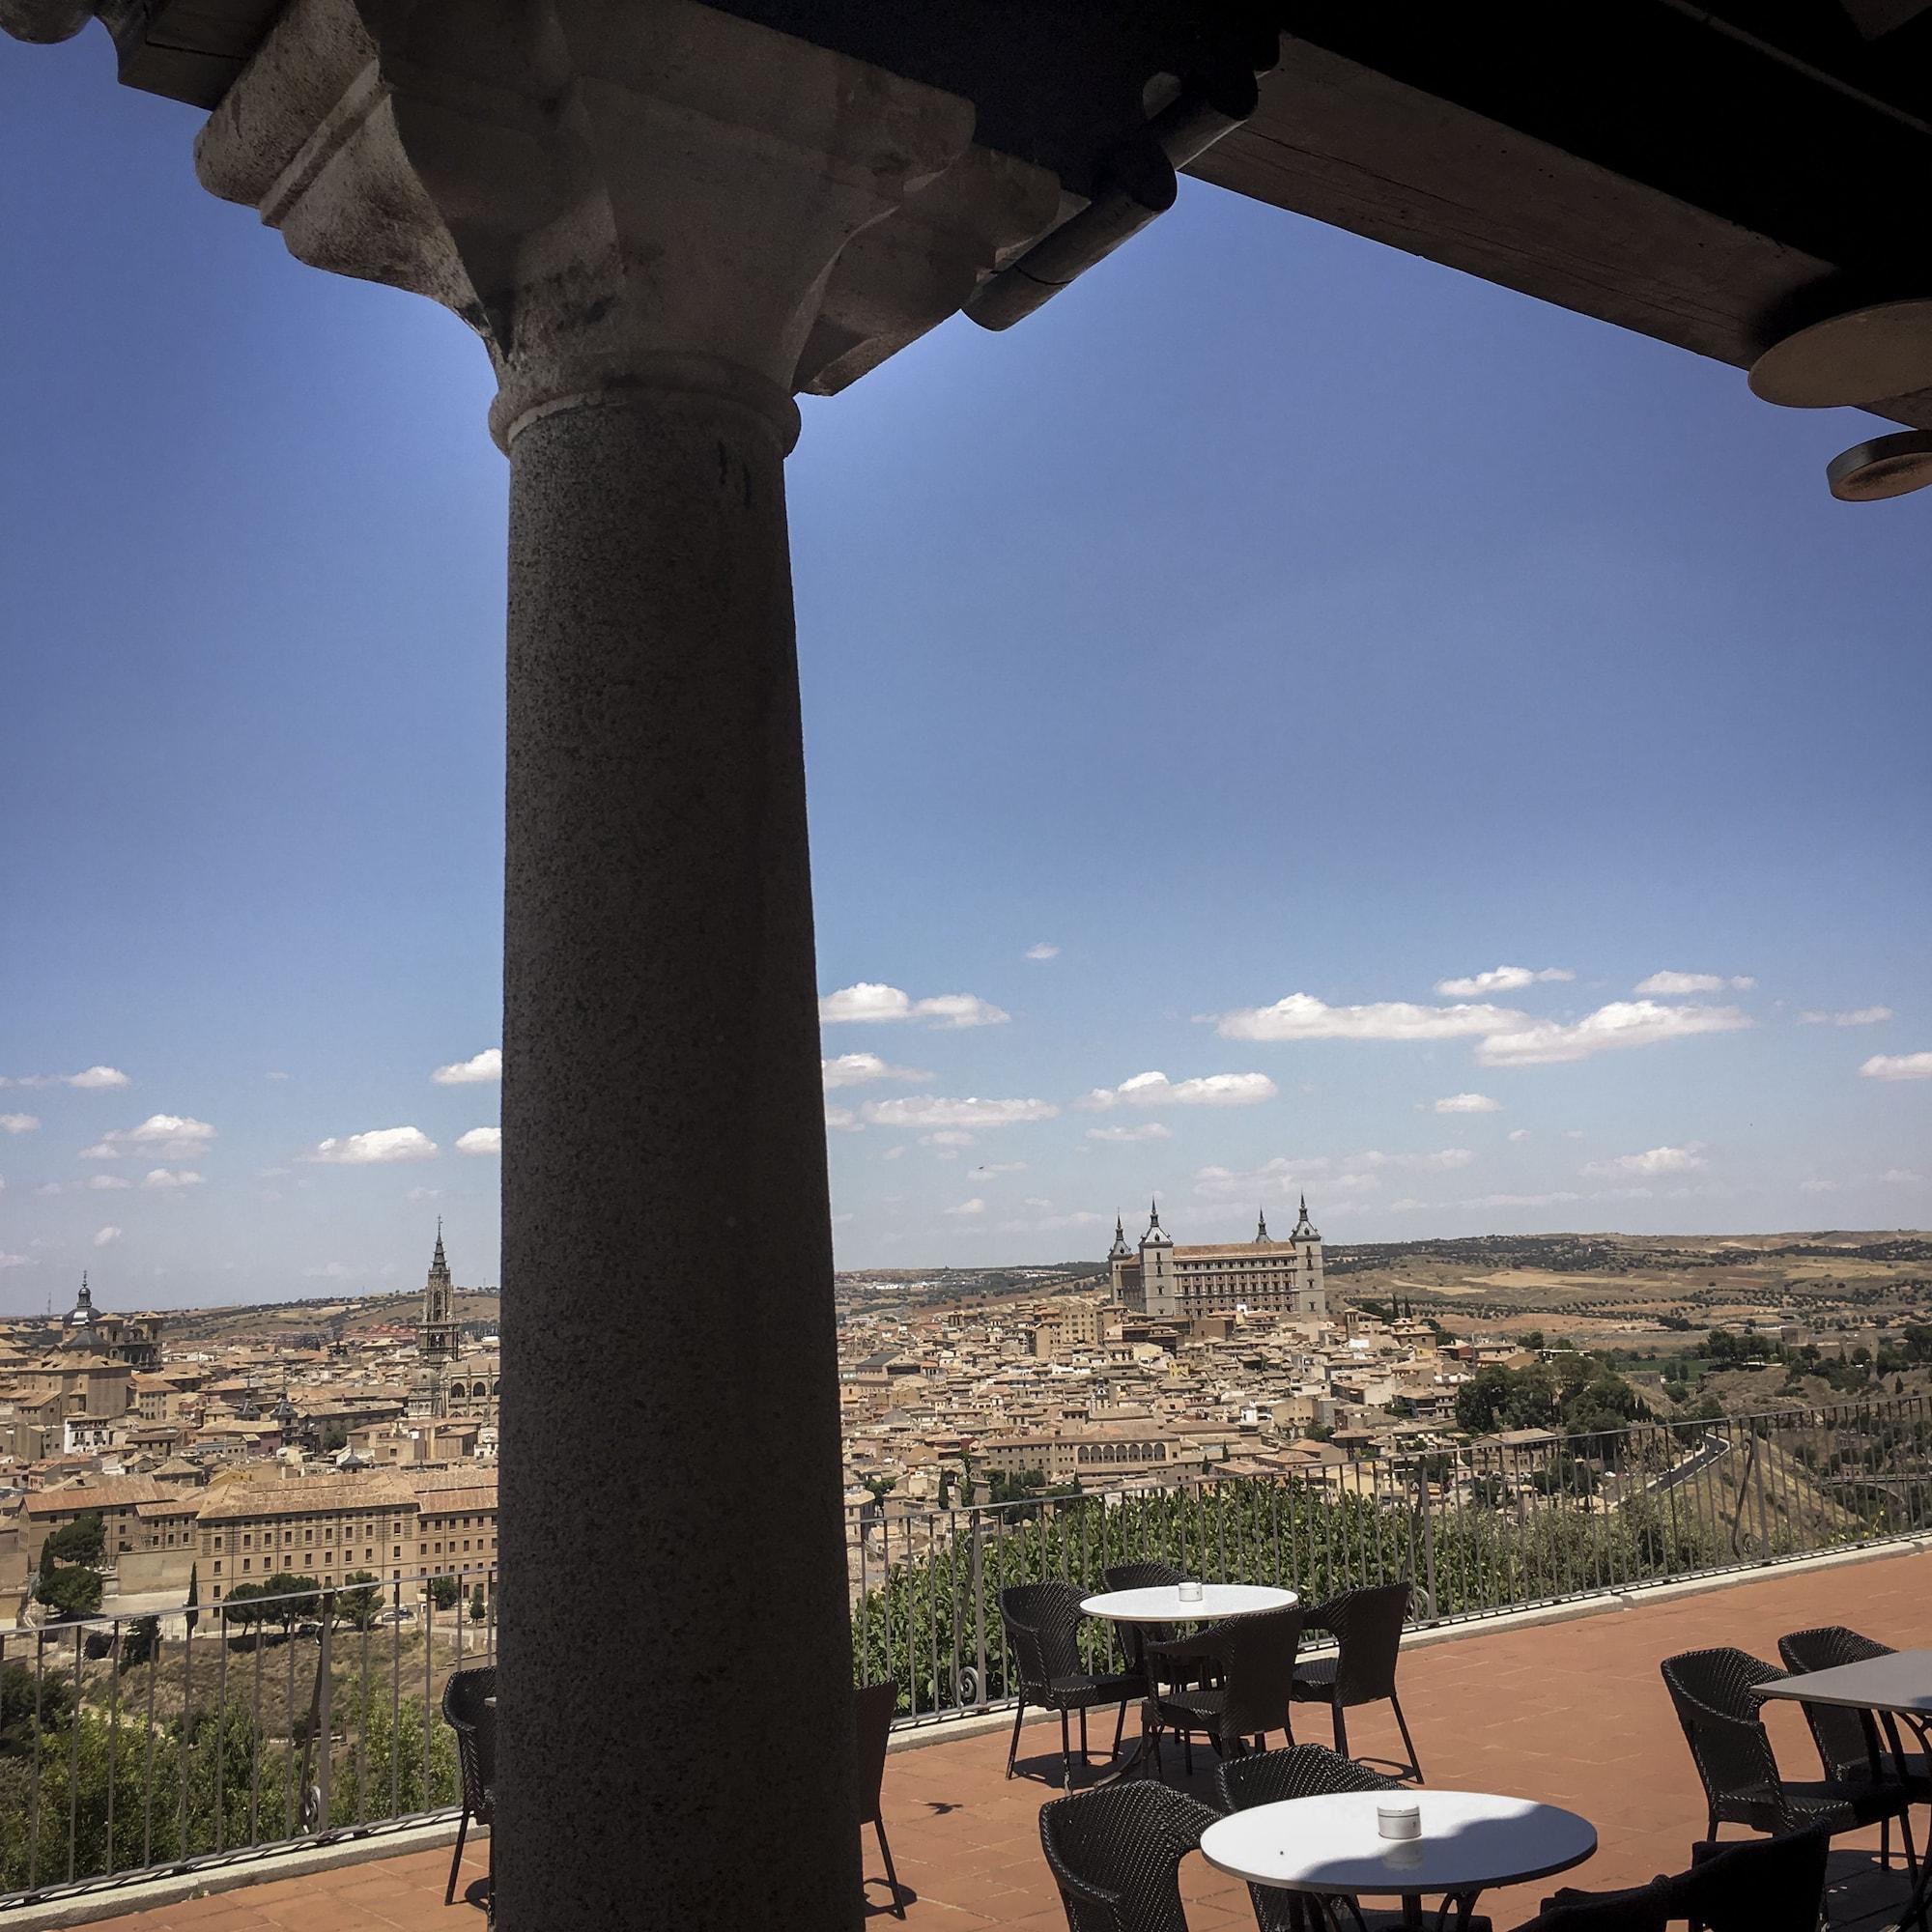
(1904, 1840)
(1885, 1844)
(1187, 1750)
(1086, 1757)
(1019, 1717)
(892, 1873)
(1119, 1725)
(1340, 1731)
(1407, 1742)
(1065, 1756)
(456, 1858)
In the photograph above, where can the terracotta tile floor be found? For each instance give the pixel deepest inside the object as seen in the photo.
(1572, 1712)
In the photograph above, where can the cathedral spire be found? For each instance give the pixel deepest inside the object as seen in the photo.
(1261, 1224)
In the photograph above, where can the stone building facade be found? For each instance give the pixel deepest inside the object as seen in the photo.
(1263, 1276)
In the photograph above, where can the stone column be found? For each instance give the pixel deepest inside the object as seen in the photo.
(671, 1388)
(644, 211)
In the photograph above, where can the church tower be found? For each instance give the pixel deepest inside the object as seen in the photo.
(437, 1339)
(1159, 1283)
(1311, 1290)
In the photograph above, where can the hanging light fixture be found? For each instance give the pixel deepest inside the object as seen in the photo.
(1857, 360)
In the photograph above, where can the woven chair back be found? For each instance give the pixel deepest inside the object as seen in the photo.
(1711, 1691)
(1126, 1840)
(1368, 1638)
(873, 1704)
(1042, 1622)
(1845, 1738)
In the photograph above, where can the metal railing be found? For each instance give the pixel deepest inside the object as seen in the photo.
(1475, 1530)
(134, 1745)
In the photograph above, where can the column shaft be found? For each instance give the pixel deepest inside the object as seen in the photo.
(676, 1732)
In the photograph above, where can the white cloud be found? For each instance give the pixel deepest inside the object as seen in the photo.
(1898, 1067)
(841, 1120)
(1653, 1160)
(1148, 1130)
(855, 1069)
(869, 1001)
(380, 1143)
(1519, 1133)
(1039, 1201)
(1854, 1016)
(997, 1167)
(480, 1140)
(162, 1176)
(931, 1110)
(1520, 1200)
(1043, 951)
(1468, 1103)
(1352, 1172)
(946, 1137)
(17, 1261)
(18, 1124)
(1817, 1187)
(1501, 979)
(479, 1067)
(333, 1271)
(101, 1182)
(894, 1152)
(168, 1136)
(87, 1078)
(276, 1073)
(1696, 983)
(103, 1237)
(49, 1187)
(967, 1209)
(1900, 1177)
(424, 1194)
(1623, 1023)
(1210, 1090)
(1303, 1016)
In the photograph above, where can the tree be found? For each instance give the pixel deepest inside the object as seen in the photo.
(443, 1592)
(81, 1541)
(242, 1606)
(359, 1600)
(21, 1698)
(142, 1640)
(71, 1592)
(479, 1609)
(293, 1598)
(192, 1609)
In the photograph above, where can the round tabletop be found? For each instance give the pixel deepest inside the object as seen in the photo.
(1166, 1606)
(1469, 1841)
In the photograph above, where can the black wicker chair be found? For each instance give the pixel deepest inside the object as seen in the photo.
(1847, 1741)
(875, 1704)
(1306, 1770)
(1251, 1660)
(467, 1712)
(1042, 1622)
(1776, 1885)
(1367, 1627)
(1137, 1639)
(1724, 1728)
(1116, 1855)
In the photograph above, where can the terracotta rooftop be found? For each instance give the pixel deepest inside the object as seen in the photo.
(1574, 1713)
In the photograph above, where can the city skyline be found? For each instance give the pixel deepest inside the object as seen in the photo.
(1134, 875)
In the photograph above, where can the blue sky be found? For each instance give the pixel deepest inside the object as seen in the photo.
(1272, 616)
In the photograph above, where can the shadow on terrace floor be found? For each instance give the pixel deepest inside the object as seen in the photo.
(1572, 1712)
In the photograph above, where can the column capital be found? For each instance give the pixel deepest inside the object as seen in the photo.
(622, 195)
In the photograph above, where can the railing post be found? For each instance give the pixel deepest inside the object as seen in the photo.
(324, 1700)
(979, 1609)
(1427, 1538)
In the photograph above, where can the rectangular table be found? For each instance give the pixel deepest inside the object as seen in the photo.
(1896, 1685)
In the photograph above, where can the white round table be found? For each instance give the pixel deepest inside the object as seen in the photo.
(1165, 1604)
(1469, 1841)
